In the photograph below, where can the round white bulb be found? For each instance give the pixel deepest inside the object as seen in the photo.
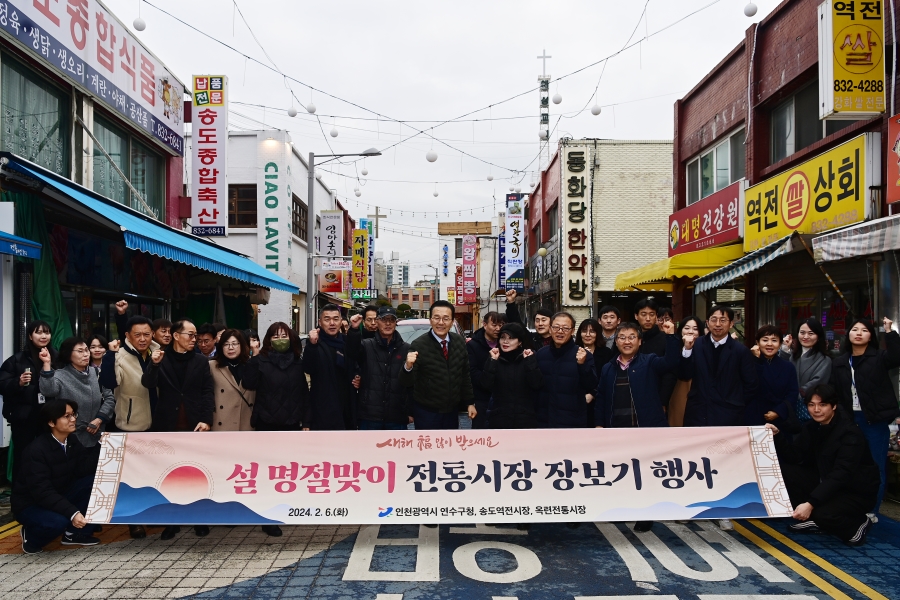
(542, 252)
(765, 289)
(139, 24)
(557, 98)
(333, 132)
(358, 193)
(750, 9)
(490, 178)
(319, 176)
(518, 189)
(311, 108)
(435, 193)
(292, 112)
(431, 156)
(533, 184)
(364, 172)
(595, 110)
(543, 134)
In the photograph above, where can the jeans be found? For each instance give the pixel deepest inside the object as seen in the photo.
(429, 419)
(878, 435)
(42, 526)
(365, 425)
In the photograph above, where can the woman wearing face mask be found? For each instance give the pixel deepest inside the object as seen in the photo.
(690, 328)
(234, 403)
(809, 355)
(276, 375)
(778, 389)
(97, 346)
(513, 376)
(860, 376)
(20, 390)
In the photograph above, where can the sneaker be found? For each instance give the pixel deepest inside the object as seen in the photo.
(873, 518)
(78, 539)
(860, 537)
(725, 525)
(804, 527)
(29, 548)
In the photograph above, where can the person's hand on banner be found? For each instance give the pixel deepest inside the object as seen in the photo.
(495, 353)
(157, 356)
(78, 521)
(772, 428)
(803, 512)
(472, 411)
(581, 356)
(201, 427)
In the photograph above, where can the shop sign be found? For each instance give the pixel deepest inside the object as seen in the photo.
(459, 286)
(332, 224)
(334, 278)
(851, 59)
(369, 225)
(501, 258)
(893, 160)
(85, 43)
(445, 260)
(515, 238)
(713, 221)
(209, 156)
(451, 295)
(363, 294)
(823, 193)
(575, 199)
(360, 278)
(470, 269)
(273, 203)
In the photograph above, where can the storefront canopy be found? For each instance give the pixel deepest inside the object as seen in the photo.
(17, 246)
(145, 234)
(872, 237)
(747, 264)
(657, 276)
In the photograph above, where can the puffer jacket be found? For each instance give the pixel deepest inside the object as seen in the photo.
(877, 396)
(281, 394)
(331, 395)
(561, 401)
(20, 404)
(440, 385)
(513, 383)
(381, 398)
(479, 352)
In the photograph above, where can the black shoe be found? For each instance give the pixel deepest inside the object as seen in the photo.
(573, 525)
(169, 532)
(28, 548)
(272, 530)
(860, 538)
(137, 532)
(643, 526)
(805, 527)
(78, 539)
(201, 530)
(523, 526)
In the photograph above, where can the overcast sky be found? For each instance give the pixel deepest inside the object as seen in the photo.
(417, 61)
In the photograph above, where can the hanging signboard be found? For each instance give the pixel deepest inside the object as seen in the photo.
(713, 221)
(501, 258)
(470, 269)
(893, 160)
(332, 225)
(851, 60)
(515, 240)
(369, 225)
(459, 286)
(209, 156)
(360, 278)
(334, 278)
(575, 200)
(451, 295)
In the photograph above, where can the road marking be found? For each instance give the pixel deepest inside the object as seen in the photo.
(10, 531)
(8, 526)
(856, 584)
(528, 564)
(756, 597)
(389, 597)
(482, 528)
(638, 567)
(632, 597)
(740, 554)
(791, 563)
(720, 568)
(427, 556)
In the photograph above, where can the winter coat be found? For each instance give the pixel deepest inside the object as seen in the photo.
(83, 388)
(513, 384)
(233, 403)
(813, 369)
(330, 406)
(122, 372)
(877, 396)
(195, 395)
(653, 341)
(381, 397)
(20, 404)
(561, 400)
(537, 341)
(644, 375)
(479, 352)
(718, 397)
(281, 394)
(47, 474)
(439, 385)
(778, 392)
(838, 453)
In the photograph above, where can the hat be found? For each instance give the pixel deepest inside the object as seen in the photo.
(514, 330)
(386, 311)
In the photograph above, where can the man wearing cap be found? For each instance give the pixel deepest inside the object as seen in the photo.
(382, 402)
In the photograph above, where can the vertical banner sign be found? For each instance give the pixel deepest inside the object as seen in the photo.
(576, 225)
(334, 278)
(87, 45)
(515, 241)
(360, 278)
(501, 258)
(332, 224)
(445, 259)
(209, 156)
(459, 286)
(451, 295)
(893, 160)
(851, 59)
(470, 269)
(369, 225)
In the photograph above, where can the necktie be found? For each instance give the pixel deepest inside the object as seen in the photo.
(444, 349)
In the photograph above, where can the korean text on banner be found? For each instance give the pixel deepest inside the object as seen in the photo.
(851, 59)
(360, 277)
(209, 156)
(451, 295)
(713, 221)
(334, 276)
(369, 225)
(487, 476)
(893, 160)
(825, 192)
(85, 43)
(470, 269)
(501, 258)
(576, 228)
(515, 240)
(332, 224)
(459, 286)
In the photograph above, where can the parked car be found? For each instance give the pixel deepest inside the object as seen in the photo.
(410, 329)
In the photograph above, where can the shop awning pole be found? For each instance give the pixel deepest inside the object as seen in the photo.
(824, 272)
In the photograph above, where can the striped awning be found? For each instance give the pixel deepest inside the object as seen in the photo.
(867, 238)
(746, 264)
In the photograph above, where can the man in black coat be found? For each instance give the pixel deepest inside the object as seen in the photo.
(653, 341)
(568, 376)
(479, 348)
(331, 395)
(51, 492)
(382, 402)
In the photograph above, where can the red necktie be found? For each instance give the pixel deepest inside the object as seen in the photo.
(444, 349)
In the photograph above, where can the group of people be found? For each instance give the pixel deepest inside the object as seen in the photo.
(830, 417)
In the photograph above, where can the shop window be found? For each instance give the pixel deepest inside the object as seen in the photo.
(552, 221)
(458, 242)
(300, 218)
(141, 165)
(242, 206)
(717, 168)
(107, 182)
(35, 118)
(795, 123)
(148, 178)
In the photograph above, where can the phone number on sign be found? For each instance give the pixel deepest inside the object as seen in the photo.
(866, 85)
(318, 512)
(845, 218)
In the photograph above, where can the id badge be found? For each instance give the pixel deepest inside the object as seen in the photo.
(41, 398)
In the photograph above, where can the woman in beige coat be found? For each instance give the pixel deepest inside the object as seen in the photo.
(234, 404)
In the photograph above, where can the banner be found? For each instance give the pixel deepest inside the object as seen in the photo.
(451, 295)
(487, 476)
(209, 156)
(501, 258)
(893, 160)
(577, 281)
(713, 221)
(360, 279)
(470, 269)
(515, 240)
(334, 278)
(459, 286)
(332, 224)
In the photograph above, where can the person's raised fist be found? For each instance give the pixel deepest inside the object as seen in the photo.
(121, 306)
(113, 346)
(495, 353)
(580, 356)
(355, 320)
(511, 296)
(411, 359)
(668, 327)
(157, 356)
(44, 355)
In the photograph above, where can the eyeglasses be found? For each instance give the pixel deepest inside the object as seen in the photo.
(630, 338)
(70, 416)
(232, 345)
(81, 350)
(560, 329)
(441, 319)
(718, 320)
(192, 336)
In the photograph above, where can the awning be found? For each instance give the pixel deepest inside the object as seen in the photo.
(657, 276)
(145, 234)
(17, 246)
(867, 238)
(747, 264)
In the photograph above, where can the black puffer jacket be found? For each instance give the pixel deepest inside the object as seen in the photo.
(561, 401)
(281, 393)
(877, 397)
(381, 397)
(196, 393)
(48, 472)
(20, 404)
(330, 406)
(479, 352)
(513, 382)
(442, 386)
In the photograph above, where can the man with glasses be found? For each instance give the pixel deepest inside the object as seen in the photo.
(437, 369)
(331, 395)
(569, 375)
(162, 328)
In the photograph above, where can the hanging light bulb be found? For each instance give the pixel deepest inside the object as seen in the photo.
(512, 187)
(333, 132)
(557, 98)
(311, 108)
(431, 156)
(436, 193)
(490, 177)
(140, 24)
(750, 9)
(292, 112)
(319, 176)
(595, 109)
(358, 193)
(543, 134)
(518, 189)
(364, 172)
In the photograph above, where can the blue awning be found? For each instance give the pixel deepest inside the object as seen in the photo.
(17, 246)
(148, 235)
(746, 264)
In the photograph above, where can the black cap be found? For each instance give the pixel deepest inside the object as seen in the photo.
(386, 311)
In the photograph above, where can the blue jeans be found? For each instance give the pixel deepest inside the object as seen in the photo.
(429, 419)
(42, 526)
(365, 425)
(878, 435)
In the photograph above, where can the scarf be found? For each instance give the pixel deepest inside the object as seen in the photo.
(237, 371)
(513, 354)
(336, 343)
(282, 360)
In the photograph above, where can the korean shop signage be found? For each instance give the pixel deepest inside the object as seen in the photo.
(851, 59)
(828, 191)
(514, 241)
(363, 294)
(332, 224)
(360, 278)
(714, 221)
(334, 278)
(209, 156)
(470, 270)
(85, 43)
(576, 227)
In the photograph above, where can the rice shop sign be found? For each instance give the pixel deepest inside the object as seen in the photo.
(576, 228)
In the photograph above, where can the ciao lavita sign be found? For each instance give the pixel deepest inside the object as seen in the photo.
(576, 227)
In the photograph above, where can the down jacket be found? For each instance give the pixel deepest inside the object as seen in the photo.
(877, 396)
(281, 393)
(513, 383)
(561, 401)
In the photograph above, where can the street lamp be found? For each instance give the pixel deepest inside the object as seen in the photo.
(311, 229)
(437, 282)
